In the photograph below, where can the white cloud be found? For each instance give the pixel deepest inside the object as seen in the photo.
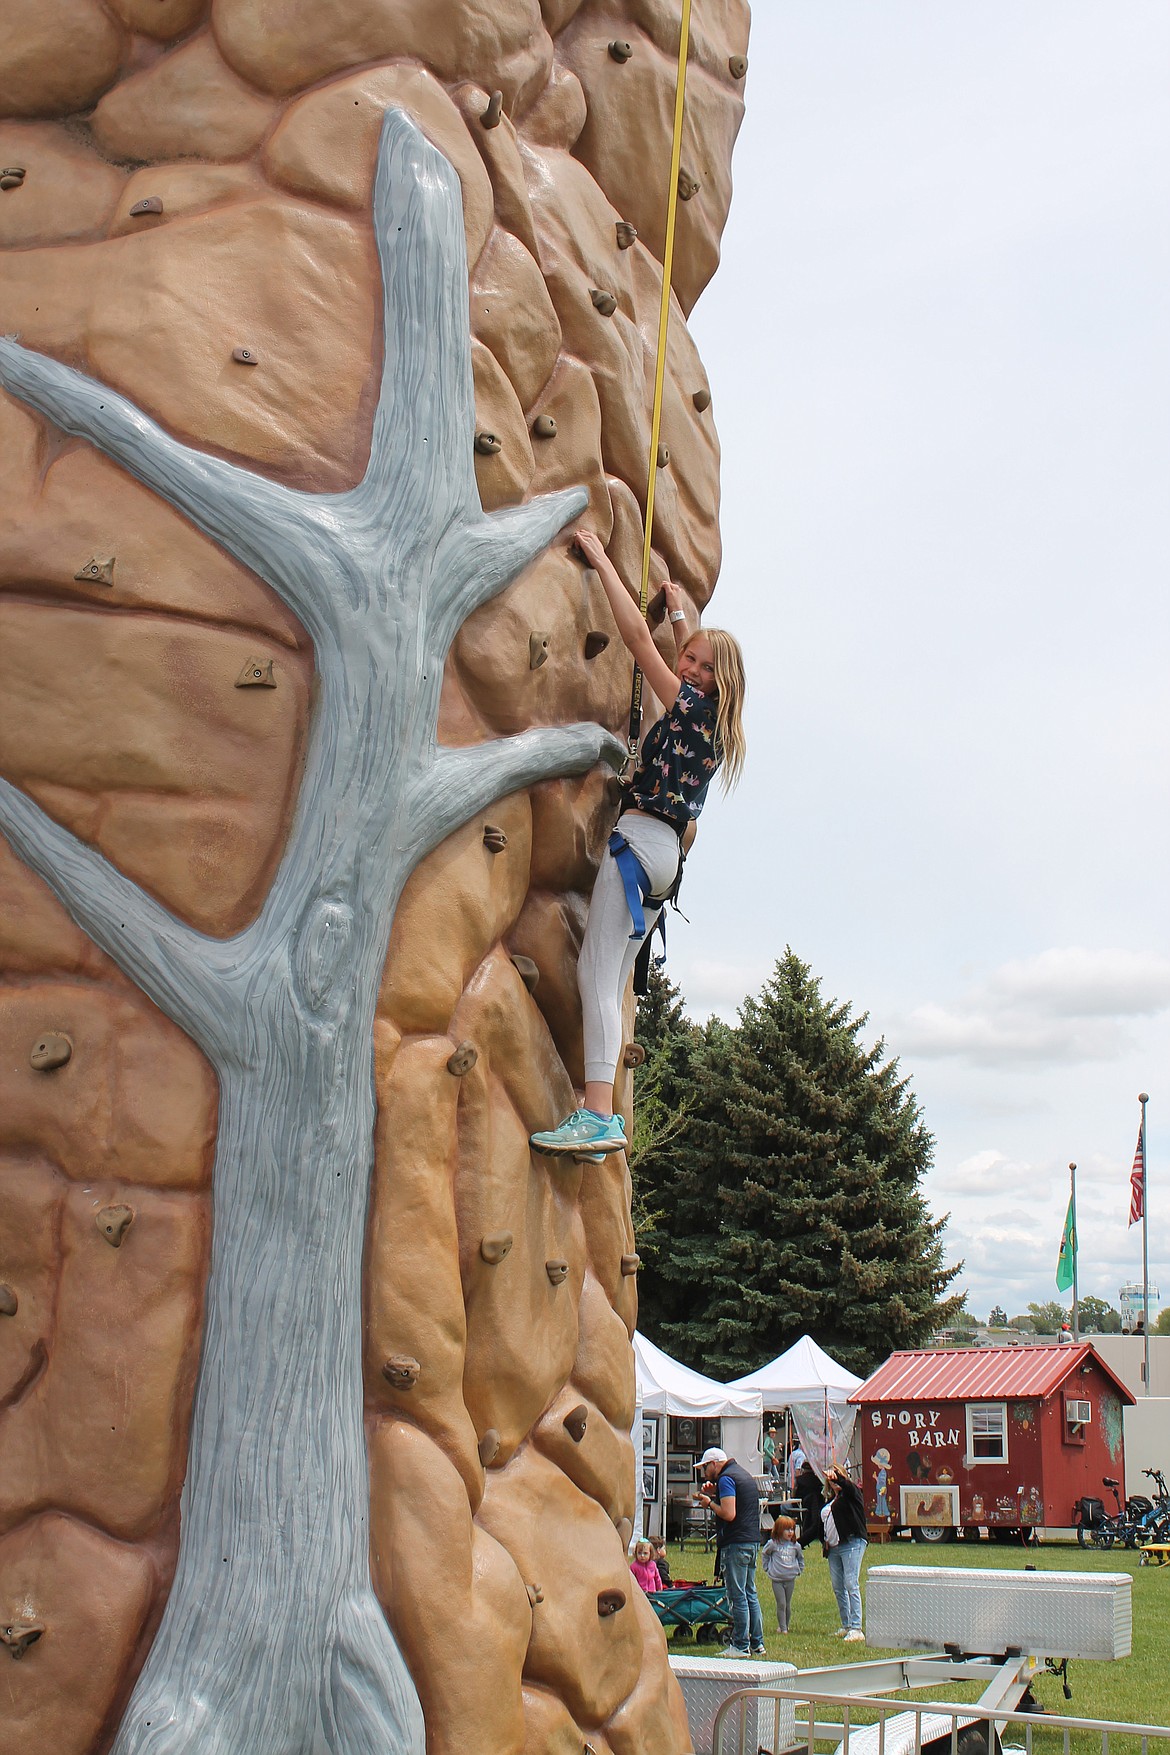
(717, 987)
(1058, 1007)
(1080, 983)
(988, 1172)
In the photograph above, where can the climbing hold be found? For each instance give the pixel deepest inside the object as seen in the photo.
(575, 1422)
(244, 356)
(595, 644)
(537, 650)
(656, 608)
(50, 1051)
(148, 204)
(401, 1371)
(625, 1529)
(737, 65)
(615, 791)
(603, 301)
(535, 1593)
(627, 234)
(610, 1601)
(113, 1223)
(494, 839)
(493, 1249)
(489, 1446)
(663, 456)
(463, 1059)
(557, 1272)
(544, 427)
(257, 674)
(11, 177)
(9, 1302)
(491, 116)
(527, 970)
(633, 1054)
(20, 1636)
(688, 186)
(97, 571)
(702, 400)
(487, 444)
(630, 1265)
(620, 51)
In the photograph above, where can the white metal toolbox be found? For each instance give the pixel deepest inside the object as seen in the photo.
(706, 1683)
(982, 1610)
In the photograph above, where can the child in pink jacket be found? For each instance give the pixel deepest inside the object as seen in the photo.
(643, 1568)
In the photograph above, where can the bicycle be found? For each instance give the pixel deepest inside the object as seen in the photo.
(1105, 1529)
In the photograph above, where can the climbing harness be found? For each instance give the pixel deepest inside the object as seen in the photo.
(635, 727)
(639, 896)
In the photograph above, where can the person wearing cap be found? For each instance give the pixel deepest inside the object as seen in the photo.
(734, 1498)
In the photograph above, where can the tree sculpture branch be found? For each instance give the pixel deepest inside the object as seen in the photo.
(272, 1642)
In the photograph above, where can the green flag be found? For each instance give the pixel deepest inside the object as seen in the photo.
(1066, 1261)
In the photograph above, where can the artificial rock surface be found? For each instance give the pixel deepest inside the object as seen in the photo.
(249, 129)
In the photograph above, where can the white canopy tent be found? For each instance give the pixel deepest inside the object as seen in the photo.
(670, 1389)
(815, 1390)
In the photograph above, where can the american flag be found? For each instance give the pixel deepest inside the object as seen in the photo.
(1137, 1183)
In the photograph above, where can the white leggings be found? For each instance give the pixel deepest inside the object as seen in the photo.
(608, 953)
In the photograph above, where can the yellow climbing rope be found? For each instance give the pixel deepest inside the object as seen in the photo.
(660, 363)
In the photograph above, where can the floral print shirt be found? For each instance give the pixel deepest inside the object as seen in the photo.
(679, 758)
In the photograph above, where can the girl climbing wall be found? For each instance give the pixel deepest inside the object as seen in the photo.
(700, 731)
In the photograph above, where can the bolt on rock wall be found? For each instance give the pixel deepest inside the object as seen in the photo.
(185, 215)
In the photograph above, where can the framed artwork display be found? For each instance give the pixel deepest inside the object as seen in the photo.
(710, 1433)
(680, 1468)
(685, 1433)
(930, 1506)
(650, 1482)
(650, 1435)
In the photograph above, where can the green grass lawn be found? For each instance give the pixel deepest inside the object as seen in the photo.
(1136, 1688)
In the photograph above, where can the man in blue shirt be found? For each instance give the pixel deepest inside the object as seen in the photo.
(734, 1498)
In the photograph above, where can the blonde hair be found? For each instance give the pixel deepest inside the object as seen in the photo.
(638, 1546)
(731, 686)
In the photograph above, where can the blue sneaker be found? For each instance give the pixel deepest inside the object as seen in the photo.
(582, 1135)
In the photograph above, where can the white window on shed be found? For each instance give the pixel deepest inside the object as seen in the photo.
(986, 1432)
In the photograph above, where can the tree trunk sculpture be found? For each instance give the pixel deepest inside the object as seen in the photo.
(272, 1641)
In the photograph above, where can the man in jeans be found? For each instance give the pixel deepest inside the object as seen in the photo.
(734, 1497)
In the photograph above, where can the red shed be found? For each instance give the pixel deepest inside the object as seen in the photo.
(1003, 1438)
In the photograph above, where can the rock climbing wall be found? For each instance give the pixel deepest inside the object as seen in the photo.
(184, 214)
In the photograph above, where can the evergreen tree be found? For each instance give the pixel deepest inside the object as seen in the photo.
(790, 1202)
(663, 1102)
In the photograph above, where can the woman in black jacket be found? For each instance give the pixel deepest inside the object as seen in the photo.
(846, 1539)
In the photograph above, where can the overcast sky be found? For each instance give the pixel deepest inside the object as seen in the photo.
(938, 346)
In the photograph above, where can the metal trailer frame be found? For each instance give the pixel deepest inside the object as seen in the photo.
(933, 1728)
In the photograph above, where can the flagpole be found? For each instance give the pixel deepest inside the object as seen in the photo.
(1072, 1186)
(1143, 1099)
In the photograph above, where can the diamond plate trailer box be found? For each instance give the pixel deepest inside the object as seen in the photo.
(706, 1683)
(986, 1611)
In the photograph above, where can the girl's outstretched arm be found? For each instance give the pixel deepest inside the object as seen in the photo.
(630, 625)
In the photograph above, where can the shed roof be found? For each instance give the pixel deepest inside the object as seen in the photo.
(979, 1374)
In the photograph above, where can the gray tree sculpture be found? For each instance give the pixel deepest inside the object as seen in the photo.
(272, 1641)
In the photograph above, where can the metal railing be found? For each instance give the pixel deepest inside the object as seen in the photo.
(860, 1725)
